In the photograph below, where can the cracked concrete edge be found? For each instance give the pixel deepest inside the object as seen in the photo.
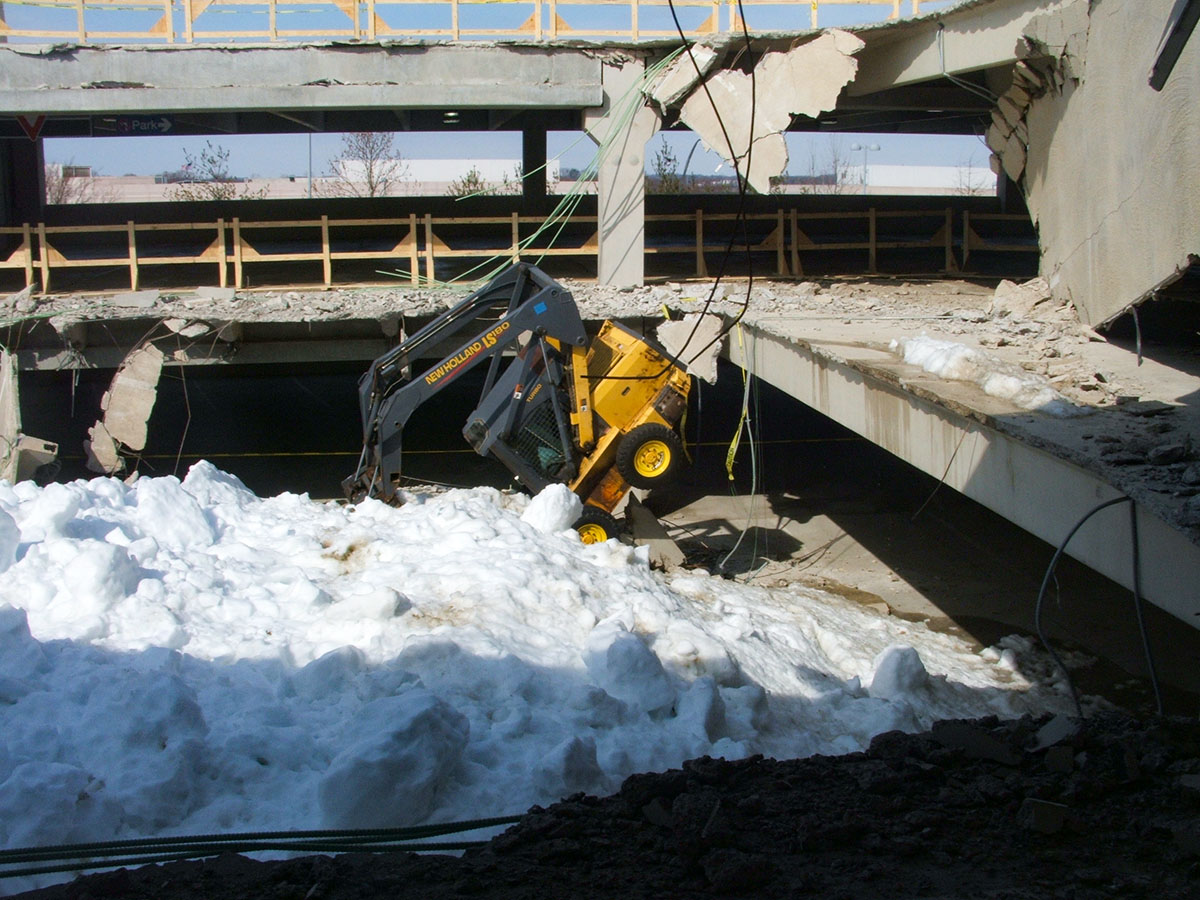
(681, 76)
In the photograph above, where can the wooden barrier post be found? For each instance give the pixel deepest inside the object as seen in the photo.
(414, 260)
(237, 252)
(429, 245)
(133, 256)
(43, 257)
(222, 273)
(515, 253)
(326, 260)
(27, 247)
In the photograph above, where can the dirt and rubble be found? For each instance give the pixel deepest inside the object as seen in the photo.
(1109, 807)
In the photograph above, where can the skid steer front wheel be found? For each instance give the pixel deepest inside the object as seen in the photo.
(595, 526)
(650, 455)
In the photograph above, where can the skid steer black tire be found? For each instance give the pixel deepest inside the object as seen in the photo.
(595, 526)
(649, 456)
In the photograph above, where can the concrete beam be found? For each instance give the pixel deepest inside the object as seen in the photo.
(1030, 487)
(112, 80)
(250, 353)
(968, 38)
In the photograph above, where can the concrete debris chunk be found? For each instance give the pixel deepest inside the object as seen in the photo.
(1018, 300)
(1165, 454)
(677, 81)
(101, 451)
(805, 80)
(224, 294)
(697, 341)
(187, 328)
(1043, 816)
(136, 299)
(1190, 514)
(127, 406)
(648, 532)
(22, 301)
(1057, 730)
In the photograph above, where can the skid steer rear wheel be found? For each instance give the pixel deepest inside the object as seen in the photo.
(650, 455)
(595, 526)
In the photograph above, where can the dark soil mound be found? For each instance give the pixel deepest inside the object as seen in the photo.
(984, 809)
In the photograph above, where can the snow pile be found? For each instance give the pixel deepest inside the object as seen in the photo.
(958, 362)
(185, 657)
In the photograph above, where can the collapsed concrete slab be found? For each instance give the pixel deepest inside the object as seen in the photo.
(127, 405)
(743, 117)
(1108, 165)
(697, 341)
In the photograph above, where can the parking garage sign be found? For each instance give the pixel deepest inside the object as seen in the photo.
(145, 124)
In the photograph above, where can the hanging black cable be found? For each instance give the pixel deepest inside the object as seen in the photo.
(1137, 601)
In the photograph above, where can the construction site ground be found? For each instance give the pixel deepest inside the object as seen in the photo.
(986, 809)
(1024, 810)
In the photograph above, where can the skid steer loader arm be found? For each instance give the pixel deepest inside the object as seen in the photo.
(526, 301)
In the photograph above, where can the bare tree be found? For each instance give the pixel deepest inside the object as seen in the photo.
(63, 186)
(970, 183)
(469, 185)
(665, 179)
(368, 165)
(207, 178)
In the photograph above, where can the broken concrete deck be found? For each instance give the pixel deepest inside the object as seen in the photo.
(1041, 471)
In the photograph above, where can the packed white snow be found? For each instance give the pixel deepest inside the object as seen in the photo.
(958, 362)
(185, 657)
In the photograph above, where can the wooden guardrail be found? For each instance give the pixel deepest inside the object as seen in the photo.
(415, 244)
(201, 21)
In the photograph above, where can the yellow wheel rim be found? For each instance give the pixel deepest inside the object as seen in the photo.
(652, 459)
(592, 533)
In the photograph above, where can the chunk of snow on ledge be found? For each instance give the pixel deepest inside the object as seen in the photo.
(997, 378)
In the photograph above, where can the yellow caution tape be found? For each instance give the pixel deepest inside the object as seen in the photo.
(737, 437)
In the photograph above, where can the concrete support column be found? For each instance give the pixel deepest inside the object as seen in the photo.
(533, 167)
(622, 177)
(10, 416)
